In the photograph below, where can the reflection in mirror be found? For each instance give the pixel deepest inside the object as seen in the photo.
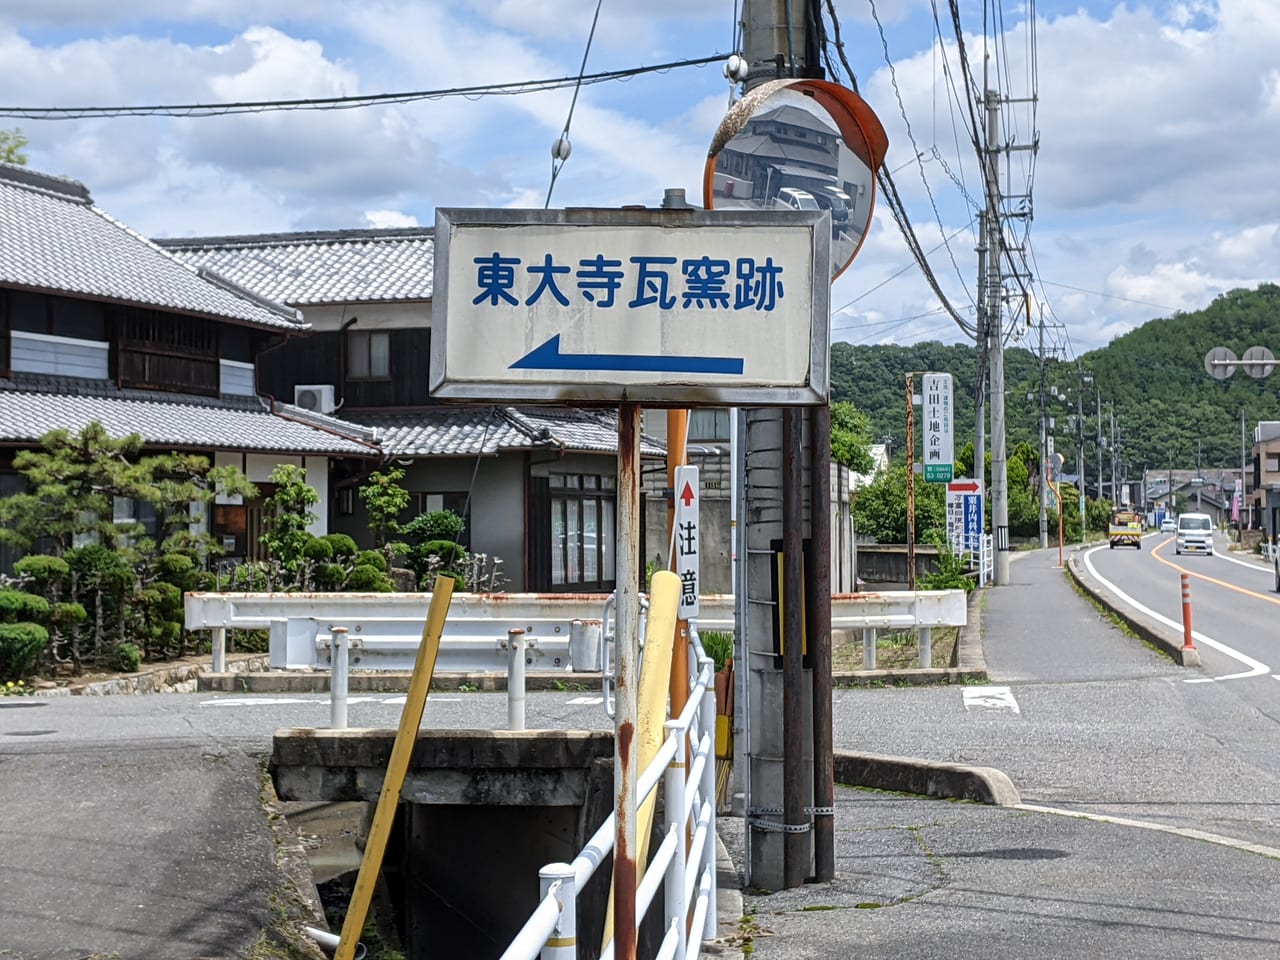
(780, 149)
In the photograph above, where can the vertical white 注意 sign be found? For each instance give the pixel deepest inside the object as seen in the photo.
(687, 539)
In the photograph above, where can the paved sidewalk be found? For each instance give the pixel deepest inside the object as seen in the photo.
(1007, 880)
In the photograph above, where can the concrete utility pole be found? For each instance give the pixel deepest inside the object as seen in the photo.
(789, 797)
(983, 343)
(1081, 379)
(1044, 453)
(995, 310)
(1101, 489)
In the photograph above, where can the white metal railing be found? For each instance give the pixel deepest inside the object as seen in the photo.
(916, 610)
(478, 623)
(984, 560)
(336, 645)
(688, 868)
(1268, 551)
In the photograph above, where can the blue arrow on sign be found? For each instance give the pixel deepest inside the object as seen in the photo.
(549, 357)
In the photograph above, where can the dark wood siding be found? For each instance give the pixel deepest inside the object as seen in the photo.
(319, 358)
(316, 358)
(161, 351)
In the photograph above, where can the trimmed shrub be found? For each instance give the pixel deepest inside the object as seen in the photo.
(330, 576)
(16, 605)
(341, 545)
(20, 646)
(369, 580)
(318, 549)
(42, 569)
(175, 568)
(372, 558)
(128, 657)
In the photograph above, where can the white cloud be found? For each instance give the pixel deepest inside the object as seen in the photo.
(389, 218)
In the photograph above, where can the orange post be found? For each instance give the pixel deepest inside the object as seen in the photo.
(1187, 644)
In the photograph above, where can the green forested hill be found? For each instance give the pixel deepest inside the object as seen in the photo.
(1167, 408)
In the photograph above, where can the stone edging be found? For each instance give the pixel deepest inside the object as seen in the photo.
(1150, 630)
(954, 781)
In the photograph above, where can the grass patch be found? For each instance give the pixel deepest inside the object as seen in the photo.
(895, 649)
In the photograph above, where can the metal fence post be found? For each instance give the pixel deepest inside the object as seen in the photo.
(563, 943)
(868, 648)
(515, 678)
(339, 647)
(925, 635)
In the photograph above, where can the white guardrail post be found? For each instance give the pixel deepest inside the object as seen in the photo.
(515, 679)
(557, 879)
(339, 674)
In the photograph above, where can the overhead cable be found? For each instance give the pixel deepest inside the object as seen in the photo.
(351, 102)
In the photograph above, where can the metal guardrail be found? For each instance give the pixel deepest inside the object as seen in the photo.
(687, 866)
(548, 618)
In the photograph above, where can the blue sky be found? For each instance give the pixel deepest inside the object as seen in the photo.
(1153, 186)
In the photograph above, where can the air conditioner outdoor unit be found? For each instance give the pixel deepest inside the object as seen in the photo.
(314, 396)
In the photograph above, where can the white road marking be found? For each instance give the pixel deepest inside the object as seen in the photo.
(990, 698)
(1256, 668)
(254, 701)
(585, 701)
(1189, 833)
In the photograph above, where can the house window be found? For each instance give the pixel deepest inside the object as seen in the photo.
(583, 532)
(1273, 463)
(368, 355)
(127, 512)
(708, 425)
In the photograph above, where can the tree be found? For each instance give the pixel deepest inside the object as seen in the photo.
(11, 144)
(385, 499)
(880, 508)
(851, 437)
(73, 482)
(288, 514)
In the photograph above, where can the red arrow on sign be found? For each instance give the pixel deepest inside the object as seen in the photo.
(966, 486)
(687, 494)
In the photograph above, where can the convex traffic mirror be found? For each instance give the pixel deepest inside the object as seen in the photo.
(800, 145)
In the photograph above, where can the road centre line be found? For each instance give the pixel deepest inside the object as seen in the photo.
(1256, 668)
(1155, 555)
(1187, 832)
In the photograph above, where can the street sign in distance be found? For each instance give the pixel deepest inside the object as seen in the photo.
(1219, 362)
(939, 447)
(1258, 362)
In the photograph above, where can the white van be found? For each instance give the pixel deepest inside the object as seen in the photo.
(1194, 534)
(793, 198)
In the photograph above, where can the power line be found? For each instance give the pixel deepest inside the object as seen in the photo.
(347, 103)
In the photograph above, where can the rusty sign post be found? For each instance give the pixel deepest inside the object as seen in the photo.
(666, 307)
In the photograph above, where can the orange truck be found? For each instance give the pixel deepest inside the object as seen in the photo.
(1125, 529)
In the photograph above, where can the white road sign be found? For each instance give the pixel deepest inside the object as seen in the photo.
(692, 307)
(688, 540)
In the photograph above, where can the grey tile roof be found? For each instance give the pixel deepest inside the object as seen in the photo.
(54, 238)
(30, 410)
(339, 266)
(489, 430)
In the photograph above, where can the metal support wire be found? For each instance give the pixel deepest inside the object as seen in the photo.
(560, 149)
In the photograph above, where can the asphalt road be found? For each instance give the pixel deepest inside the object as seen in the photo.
(1175, 767)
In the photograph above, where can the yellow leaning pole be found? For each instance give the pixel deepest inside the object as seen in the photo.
(651, 707)
(392, 783)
